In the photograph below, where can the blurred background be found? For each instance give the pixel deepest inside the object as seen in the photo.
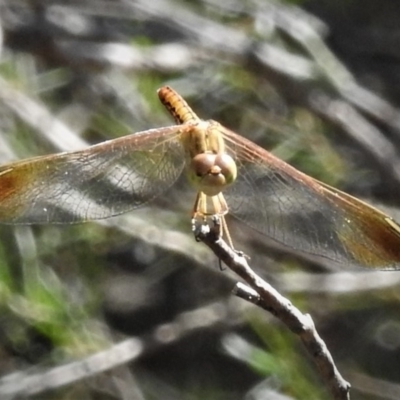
(133, 307)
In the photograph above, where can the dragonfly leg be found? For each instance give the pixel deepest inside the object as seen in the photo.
(219, 210)
(224, 229)
(198, 215)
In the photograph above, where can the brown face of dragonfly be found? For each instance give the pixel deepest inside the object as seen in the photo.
(212, 173)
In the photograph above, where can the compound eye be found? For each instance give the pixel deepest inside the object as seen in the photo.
(211, 173)
(202, 164)
(228, 167)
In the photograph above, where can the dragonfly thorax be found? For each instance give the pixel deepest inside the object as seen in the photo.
(211, 173)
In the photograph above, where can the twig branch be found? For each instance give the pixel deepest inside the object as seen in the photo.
(265, 296)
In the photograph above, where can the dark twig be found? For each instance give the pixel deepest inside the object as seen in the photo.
(265, 296)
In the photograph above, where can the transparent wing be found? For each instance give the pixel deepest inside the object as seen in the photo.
(298, 211)
(101, 181)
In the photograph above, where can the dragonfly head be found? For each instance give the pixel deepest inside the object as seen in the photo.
(212, 173)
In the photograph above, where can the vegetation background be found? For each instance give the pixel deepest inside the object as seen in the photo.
(133, 307)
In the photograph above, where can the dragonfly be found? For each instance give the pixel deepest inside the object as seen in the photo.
(230, 173)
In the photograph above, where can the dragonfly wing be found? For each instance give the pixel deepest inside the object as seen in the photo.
(299, 212)
(288, 212)
(101, 181)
